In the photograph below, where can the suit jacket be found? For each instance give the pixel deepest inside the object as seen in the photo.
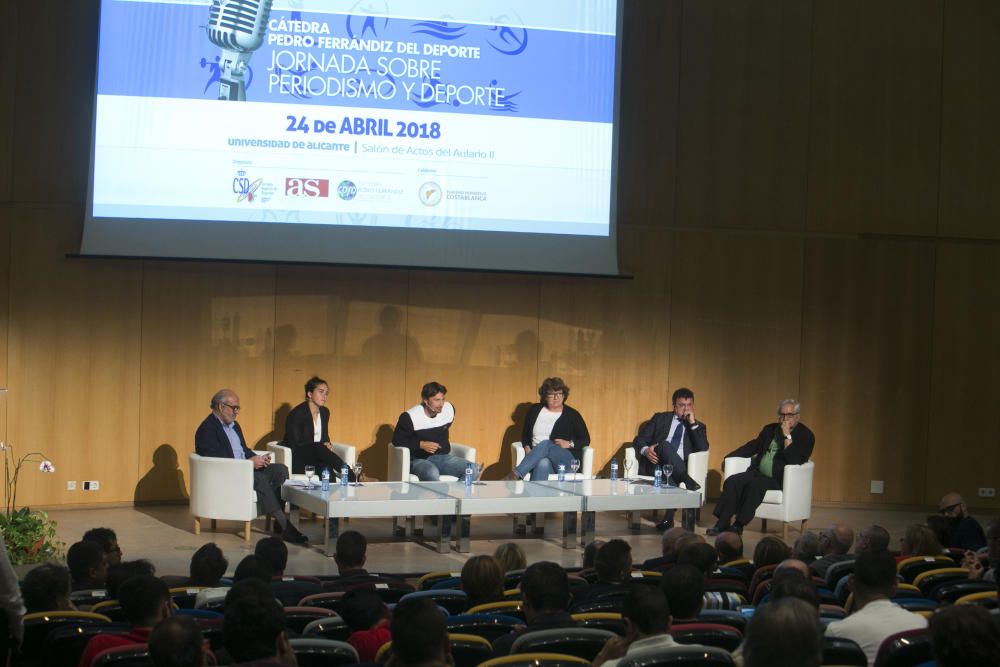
(299, 425)
(794, 454)
(656, 431)
(569, 426)
(210, 439)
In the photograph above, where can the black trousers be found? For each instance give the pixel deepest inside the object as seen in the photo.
(267, 483)
(315, 454)
(742, 494)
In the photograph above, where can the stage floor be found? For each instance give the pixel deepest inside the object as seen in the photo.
(164, 535)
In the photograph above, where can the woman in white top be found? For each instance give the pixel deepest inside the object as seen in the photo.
(554, 433)
(307, 431)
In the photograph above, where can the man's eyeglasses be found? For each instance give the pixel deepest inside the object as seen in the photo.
(234, 408)
(950, 508)
(788, 415)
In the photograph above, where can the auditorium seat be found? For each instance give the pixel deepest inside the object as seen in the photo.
(283, 455)
(602, 620)
(223, 489)
(986, 599)
(679, 656)
(83, 600)
(399, 462)
(608, 603)
(456, 602)
(927, 580)
(586, 463)
(487, 626)
(843, 652)
(427, 581)
(314, 652)
(537, 660)
(185, 596)
(134, 655)
(947, 592)
(507, 608)
(390, 591)
(63, 646)
(331, 627)
(110, 608)
(905, 649)
(730, 617)
(910, 568)
(38, 625)
(793, 502)
(297, 618)
(469, 650)
(759, 575)
(585, 643)
(838, 570)
(708, 634)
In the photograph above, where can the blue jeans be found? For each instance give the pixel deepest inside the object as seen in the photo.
(544, 459)
(431, 468)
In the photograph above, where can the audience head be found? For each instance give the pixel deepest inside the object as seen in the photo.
(687, 539)
(684, 586)
(770, 551)
(645, 611)
(145, 600)
(511, 557)
(874, 575)
(177, 642)
(88, 564)
(254, 624)
(590, 553)
(952, 506)
(806, 548)
(614, 561)
(350, 552)
(108, 541)
(482, 580)
(836, 540)
(252, 567)
(789, 583)
(729, 546)
(119, 574)
(272, 552)
(993, 541)
(795, 565)
(544, 587)
(362, 609)
(701, 555)
(941, 526)
(965, 635)
(786, 633)
(919, 540)
(873, 538)
(47, 588)
(208, 564)
(668, 543)
(419, 633)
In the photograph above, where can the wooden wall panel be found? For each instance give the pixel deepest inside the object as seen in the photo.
(866, 345)
(743, 124)
(647, 162)
(875, 116)
(73, 361)
(478, 335)
(962, 453)
(204, 327)
(349, 326)
(56, 67)
(970, 138)
(735, 332)
(6, 215)
(8, 78)
(609, 340)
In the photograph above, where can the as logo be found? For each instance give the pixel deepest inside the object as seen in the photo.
(307, 187)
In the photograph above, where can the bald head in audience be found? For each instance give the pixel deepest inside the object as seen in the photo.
(837, 539)
(729, 546)
(872, 538)
(793, 564)
(670, 537)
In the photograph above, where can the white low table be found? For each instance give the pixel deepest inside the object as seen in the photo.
(604, 495)
(509, 497)
(374, 499)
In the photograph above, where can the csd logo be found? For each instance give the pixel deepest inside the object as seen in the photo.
(307, 187)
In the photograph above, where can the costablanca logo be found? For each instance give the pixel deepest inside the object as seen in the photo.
(244, 188)
(430, 194)
(307, 187)
(347, 190)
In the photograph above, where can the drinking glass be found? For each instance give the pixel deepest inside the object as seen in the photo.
(628, 468)
(310, 471)
(358, 467)
(574, 465)
(668, 470)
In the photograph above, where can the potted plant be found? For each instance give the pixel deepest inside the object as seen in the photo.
(30, 536)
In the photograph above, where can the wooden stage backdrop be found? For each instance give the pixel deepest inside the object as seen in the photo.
(808, 203)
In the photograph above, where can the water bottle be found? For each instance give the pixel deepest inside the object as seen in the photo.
(325, 480)
(345, 473)
(562, 472)
(614, 470)
(468, 475)
(658, 477)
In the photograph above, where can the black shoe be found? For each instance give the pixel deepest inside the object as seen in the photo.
(665, 525)
(292, 535)
(736, 528)
(716, 529)
(690, 484)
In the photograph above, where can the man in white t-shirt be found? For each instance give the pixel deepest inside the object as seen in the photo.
(877, 616)
(646, 615)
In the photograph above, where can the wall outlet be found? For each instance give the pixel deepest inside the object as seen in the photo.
(91, 486)
(878, 486)
(71, 486)
(987, 492)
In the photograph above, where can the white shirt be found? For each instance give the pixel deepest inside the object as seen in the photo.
(317, 428)
(543, 425)
(876, 621)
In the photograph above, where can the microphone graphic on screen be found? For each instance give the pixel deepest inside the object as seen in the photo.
(237, 27)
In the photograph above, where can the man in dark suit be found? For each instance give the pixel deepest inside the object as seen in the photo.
(221, 436)
(670, 437)
(787, 442)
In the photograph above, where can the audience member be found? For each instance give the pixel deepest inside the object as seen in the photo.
(877, 616)
(366, 615)
(873, 538)
(684, 586)
(835, 547)
(646, 616)
(482, 580)
(704, 557)
(11, 605)
(795, 565)
(770, 551)
(252, 567)
(590, 554)
(965, 635)
(785, 633)
(208, 565)
(145, 602)
(125, 570)
(511, 557)
(253, 629)
(668, 546)
(614, 571)
(974, 564)
(807, 547)
(350, 554)
(966, 533)
(108, 541)
(545, 590)
(729, 547)
(919, 540)
(272, 552)
(177, 642)
(47, 588)
(793, 583)
(419, 635)
(88, 565)
(941, 526)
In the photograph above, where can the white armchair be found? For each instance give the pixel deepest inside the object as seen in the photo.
(793, 502)
(399, 462)
(347, 453)
(697, 466)
(222, 489)
(586, 463)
